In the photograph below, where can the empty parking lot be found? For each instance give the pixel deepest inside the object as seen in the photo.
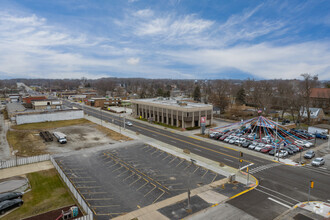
(119, 180)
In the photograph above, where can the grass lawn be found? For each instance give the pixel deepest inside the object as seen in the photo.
(50, 124)
(28, 143)
(48, 193)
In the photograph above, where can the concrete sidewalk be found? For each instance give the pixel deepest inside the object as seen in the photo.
(308, 210)
(24, 169)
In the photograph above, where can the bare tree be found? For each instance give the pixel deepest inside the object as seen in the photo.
(310, 81)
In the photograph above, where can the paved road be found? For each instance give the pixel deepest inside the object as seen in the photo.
(280, 185)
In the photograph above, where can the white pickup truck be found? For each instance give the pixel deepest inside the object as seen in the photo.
(60, 137)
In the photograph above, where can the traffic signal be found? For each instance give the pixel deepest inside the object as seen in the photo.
(312, 184)
(241, 161)
(241, 154)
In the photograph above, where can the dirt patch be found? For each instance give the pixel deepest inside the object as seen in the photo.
(86, 135)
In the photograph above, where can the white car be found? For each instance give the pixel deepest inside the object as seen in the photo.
(252, 146)
(213, 133)
(259, 147)
(303, 143)
(282, 153)
(232, 141)
(128, 123)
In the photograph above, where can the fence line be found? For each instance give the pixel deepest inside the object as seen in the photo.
(45, 157)
(73, 190)
(23, 161)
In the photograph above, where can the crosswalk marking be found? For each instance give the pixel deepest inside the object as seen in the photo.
(264, 167)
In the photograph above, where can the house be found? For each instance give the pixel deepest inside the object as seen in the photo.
(316, 114)
(320, 98)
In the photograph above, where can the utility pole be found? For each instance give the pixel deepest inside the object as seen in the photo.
(188, 208)
(101, 115)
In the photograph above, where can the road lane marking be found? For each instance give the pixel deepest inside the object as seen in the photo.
(273, 196)
(279, 193)
(206, 148)
(194, 138)
(278, 202)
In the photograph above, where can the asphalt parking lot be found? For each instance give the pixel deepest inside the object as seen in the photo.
(119, 180)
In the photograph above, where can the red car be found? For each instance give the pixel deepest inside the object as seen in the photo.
(266, 149)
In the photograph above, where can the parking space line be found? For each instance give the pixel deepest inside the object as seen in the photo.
(150, 190)
(91, 193)
(196, 169)
(167, 156)
(118, 168)
(99, 199)
(135, 180)
(128, 176)
(103, 206)
(172, 160)
(92, 181)
(88, 187)
(122, 173)
(180, 162)
(161, 153)
(155, 151)
(214, 177)
(188, 166)
(205, 173)
(159, 196)
(142, 186)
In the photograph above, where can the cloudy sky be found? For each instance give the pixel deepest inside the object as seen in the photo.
(185, 39)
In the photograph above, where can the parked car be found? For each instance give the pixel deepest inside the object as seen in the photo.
(321, 136)
(246, 144)
(223, 137)
(272, 152)
(282, 153)
(288, 149)
(213, 134)
(294, 148)
(259, 147)
(216, 136)
(10, 195)
(252, 146)
(266, 149)
(318, 162)
(309, 154)
(227, 139)
(9, 204)
(128, 123)
(303, 143)
(232, 140)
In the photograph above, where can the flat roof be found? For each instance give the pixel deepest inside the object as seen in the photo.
(15, 107)
(172, 102)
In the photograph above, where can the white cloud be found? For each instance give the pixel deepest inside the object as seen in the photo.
(144, 13)
(171, 27)
(133, 61)
(262, 60)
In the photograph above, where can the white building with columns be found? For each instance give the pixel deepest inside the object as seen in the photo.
(179, 113)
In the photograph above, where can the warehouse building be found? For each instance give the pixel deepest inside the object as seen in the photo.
(179, 113)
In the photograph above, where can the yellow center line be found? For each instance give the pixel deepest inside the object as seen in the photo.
(174, 138)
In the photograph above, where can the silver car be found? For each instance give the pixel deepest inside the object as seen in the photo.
(318, 162)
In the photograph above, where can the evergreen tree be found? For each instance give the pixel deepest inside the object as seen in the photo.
(240, 96)
(197, 93)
